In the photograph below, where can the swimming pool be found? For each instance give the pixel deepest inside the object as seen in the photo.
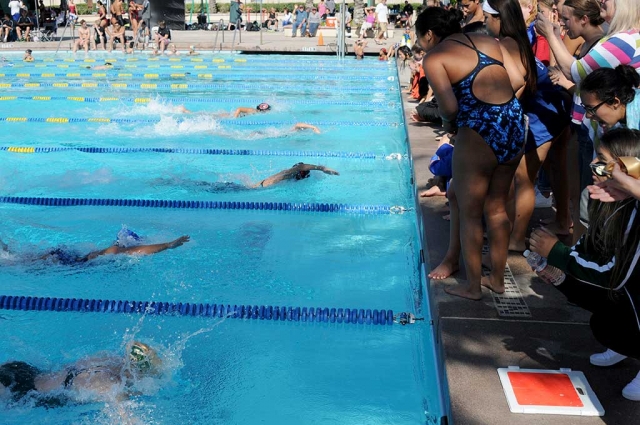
(346, 241)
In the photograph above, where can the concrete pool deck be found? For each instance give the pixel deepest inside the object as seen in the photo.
(476, 340)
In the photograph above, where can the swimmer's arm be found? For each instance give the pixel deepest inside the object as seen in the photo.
(243, 111)
(507, 47)
(311, 167)
(438, 78)
(154, 249)
(304, 126)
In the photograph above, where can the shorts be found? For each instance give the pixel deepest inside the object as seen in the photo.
(383, 26)
(164, 41)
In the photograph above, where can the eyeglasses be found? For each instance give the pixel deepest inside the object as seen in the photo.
(592, 110)
(600, 169)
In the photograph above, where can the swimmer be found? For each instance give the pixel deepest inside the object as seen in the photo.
(107, 65)
(96, 378)
(358, 49)
(173, 50)
(27, 56)
(241, 111)
(192, 51)
(127, 243)
(299, 171)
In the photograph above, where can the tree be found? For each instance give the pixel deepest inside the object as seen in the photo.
(358, 15)
(308, 4)
(213, 6)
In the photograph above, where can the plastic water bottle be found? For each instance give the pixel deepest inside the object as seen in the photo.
(546, 272)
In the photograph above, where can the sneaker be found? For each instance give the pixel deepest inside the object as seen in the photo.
(542, 201)
(609, 358)
(632, 390)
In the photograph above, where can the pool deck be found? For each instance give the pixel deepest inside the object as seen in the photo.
(477, 341)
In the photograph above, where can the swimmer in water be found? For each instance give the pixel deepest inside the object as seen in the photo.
(96, 378)
(107, 65)
(241, 111)
(127, 243)
(299, 171)
(192, 51)
(27, 56)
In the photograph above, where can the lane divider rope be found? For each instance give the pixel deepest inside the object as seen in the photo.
(318, 61)
(239, 123)
(197, 151)
(183, 86)
(212, 67)
(231, 77)
(265, 312)
(195, 100)
(206, 205)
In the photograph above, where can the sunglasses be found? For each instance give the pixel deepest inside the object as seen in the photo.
(600, 169)
(591, 110)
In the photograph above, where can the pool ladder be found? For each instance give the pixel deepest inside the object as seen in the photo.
(215, 40)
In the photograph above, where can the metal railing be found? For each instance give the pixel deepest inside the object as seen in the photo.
(239, 31)
(215, 40)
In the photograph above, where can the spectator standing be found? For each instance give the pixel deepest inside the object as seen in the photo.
(14, 5)
(301, 22)
(145, 13)
(314, 22)
(235, 13)
(322, 10)
(331, 7)
(473, 15)
(382, 17)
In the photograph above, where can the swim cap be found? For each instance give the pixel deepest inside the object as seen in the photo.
(144, 358)
(127, 238)
(263, 107)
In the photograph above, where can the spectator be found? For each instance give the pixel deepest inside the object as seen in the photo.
(23, 27)
(358, 49)
(163, 36)
(272, 21)
(331, 7)
(473, 16)
(116, 32)
(369, 21)
(235, 14)
(84, 37)
(134, 15)
(73, 14)
(14, 5)
(301, 22)
(286, 18)
(382, 17)
(145, 12)
(314, 22)
(117, 9)
(142, 35)
(407, 13)
(7, 26)
(322, 10)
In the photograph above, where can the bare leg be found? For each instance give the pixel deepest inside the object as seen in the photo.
(432, 191)
(450, 264)
(557, 165)
(525, 198)
(478, 176)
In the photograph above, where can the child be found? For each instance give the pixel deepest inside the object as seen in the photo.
(27, 56)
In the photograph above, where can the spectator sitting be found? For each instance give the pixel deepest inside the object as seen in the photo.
(301, 22)
(7, 28)
(163, 37)
(369, 21)
(142, 36)
(286, 18)
(314, 22)
(407, 14)
(27, 56)
(84, 36)
(116, 33)
(23, 27)
(272, 21)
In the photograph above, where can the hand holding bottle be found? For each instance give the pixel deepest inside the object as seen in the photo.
(541, 241)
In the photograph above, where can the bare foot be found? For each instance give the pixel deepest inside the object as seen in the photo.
(444, 269)
(432, 191)
(464, 291)
(497, 288)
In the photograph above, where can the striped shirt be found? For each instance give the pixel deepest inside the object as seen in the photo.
(620, 48)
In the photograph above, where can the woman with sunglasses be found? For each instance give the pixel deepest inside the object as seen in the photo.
(603, 272)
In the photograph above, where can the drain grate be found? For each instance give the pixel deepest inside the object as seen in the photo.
(511, 303)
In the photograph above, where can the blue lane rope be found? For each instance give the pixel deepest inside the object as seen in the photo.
(211, 60)
(234, 122)
(292, 314)
(197, 66)
(235, 75)
(237, 100)
(232, 152)
(185, 86)
(204, 205)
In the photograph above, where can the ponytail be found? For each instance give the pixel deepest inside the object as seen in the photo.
(608, 83)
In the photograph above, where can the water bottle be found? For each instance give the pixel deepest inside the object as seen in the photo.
(546, 272)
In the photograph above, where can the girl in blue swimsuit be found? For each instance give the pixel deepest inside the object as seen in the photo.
(471, 76)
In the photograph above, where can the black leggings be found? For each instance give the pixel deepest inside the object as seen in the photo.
(613, 322)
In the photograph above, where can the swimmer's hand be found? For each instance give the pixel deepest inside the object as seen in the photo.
(178, 242)
(329, 171)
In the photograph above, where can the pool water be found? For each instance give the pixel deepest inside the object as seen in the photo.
(218, 370)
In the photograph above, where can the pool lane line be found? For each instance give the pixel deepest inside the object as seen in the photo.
(198, 151)
(230, 122)
(207, 205)
(186, 86)
(195, 100)
(349, 65)
(265, 312)
(381, 71)
(236, 76)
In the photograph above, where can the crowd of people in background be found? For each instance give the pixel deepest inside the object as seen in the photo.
(514, 83)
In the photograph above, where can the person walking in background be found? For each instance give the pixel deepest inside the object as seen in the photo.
(322, 10)
(235, 14)
(382, 18)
